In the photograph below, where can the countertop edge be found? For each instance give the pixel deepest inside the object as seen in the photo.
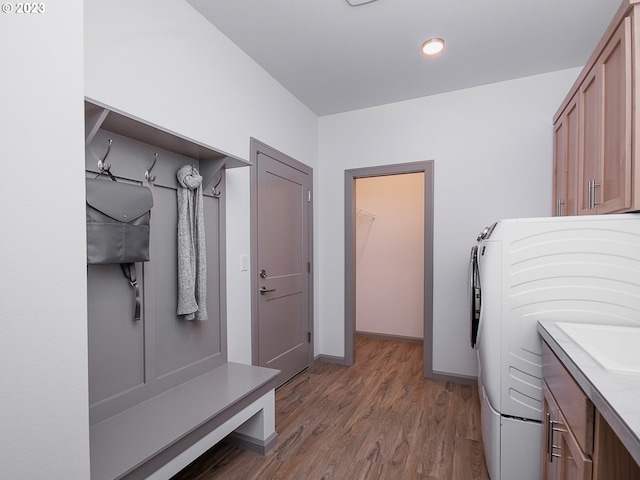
(576, 361)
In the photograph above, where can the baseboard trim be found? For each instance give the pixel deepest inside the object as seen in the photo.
(330, 359)
(450, 377)
(252, 444)
(441, 376)
(384, 336)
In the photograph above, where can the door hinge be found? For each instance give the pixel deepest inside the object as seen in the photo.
(309, 337)
(308, 196)
(308, 267)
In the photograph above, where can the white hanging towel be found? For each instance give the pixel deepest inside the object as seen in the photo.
(192, 254)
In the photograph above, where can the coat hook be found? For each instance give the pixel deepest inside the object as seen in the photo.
(214, 192)
(103, 166)
(151, 178)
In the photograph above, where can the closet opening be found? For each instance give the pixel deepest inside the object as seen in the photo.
(389, 256)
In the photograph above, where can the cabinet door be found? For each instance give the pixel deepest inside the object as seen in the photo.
(559, 166)
(550, 415)
(562, 456)
(590, 141)
(574, 463)
(565, 160)
(605, 127)
(614, 191)
(611, 459)
(573, 146)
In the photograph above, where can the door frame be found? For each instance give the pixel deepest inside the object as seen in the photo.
(351, 175)
(257, 147)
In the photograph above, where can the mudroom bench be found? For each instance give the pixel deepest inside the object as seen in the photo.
(161, 388)
(162, 435)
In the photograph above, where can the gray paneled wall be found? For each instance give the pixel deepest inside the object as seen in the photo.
(131, 361)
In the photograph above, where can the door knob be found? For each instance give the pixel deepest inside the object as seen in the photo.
(264, 290)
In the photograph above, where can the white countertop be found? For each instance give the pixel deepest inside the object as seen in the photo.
(615, 395)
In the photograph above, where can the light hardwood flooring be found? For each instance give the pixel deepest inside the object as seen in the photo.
(379, 419)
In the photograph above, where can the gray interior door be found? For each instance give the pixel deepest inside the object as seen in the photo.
(282, 336)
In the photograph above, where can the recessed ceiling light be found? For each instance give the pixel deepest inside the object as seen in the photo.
(433, 46)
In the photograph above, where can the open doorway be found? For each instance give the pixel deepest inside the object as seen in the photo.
(390, 256)
(359, 222)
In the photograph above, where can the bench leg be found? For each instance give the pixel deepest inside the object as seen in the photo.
(258, 434)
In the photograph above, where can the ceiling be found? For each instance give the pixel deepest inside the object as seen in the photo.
(335, 58)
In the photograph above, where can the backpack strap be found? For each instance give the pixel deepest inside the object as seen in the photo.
(129, 270)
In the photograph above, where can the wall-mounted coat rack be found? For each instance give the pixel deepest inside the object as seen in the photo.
(211, 162)
(99, 117)
(103, 166)
(131, 363)
(215, 192)
(151, 177)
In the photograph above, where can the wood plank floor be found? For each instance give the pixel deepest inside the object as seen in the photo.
(379, 419)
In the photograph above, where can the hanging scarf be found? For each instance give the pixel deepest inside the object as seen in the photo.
(192, 254)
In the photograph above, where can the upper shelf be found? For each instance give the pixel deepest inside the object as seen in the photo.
(98, 116)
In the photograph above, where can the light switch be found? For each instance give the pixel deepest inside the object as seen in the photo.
(244, 263)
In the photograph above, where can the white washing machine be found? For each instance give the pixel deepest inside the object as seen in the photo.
(583, 269)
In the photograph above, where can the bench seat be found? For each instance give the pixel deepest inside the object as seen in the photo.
(156, 434)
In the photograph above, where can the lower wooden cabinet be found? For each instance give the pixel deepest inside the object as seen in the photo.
(611, 461)
(550, 455)
(562, 456)
(577, 442)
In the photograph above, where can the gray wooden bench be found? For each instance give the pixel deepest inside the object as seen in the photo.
(162, 435)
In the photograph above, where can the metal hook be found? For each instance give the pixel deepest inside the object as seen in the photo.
(151, 178)
(103, 166)
(218, 192)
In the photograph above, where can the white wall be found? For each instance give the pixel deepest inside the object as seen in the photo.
(44, 417)
(492, 152)
(390, 255)
(161, 61)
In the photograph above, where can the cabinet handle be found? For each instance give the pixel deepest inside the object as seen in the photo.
(550, 446)
(591, 194)
(595, 185)
(549, 435)
(559, 204)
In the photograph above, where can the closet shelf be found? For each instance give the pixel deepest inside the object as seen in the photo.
(99, 116)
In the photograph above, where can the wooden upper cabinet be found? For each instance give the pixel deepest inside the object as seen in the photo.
(594, 131)
(566, 149)
(605, 124)
(590, 161)
(611, 179)
(559, 167)
(615, 179)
